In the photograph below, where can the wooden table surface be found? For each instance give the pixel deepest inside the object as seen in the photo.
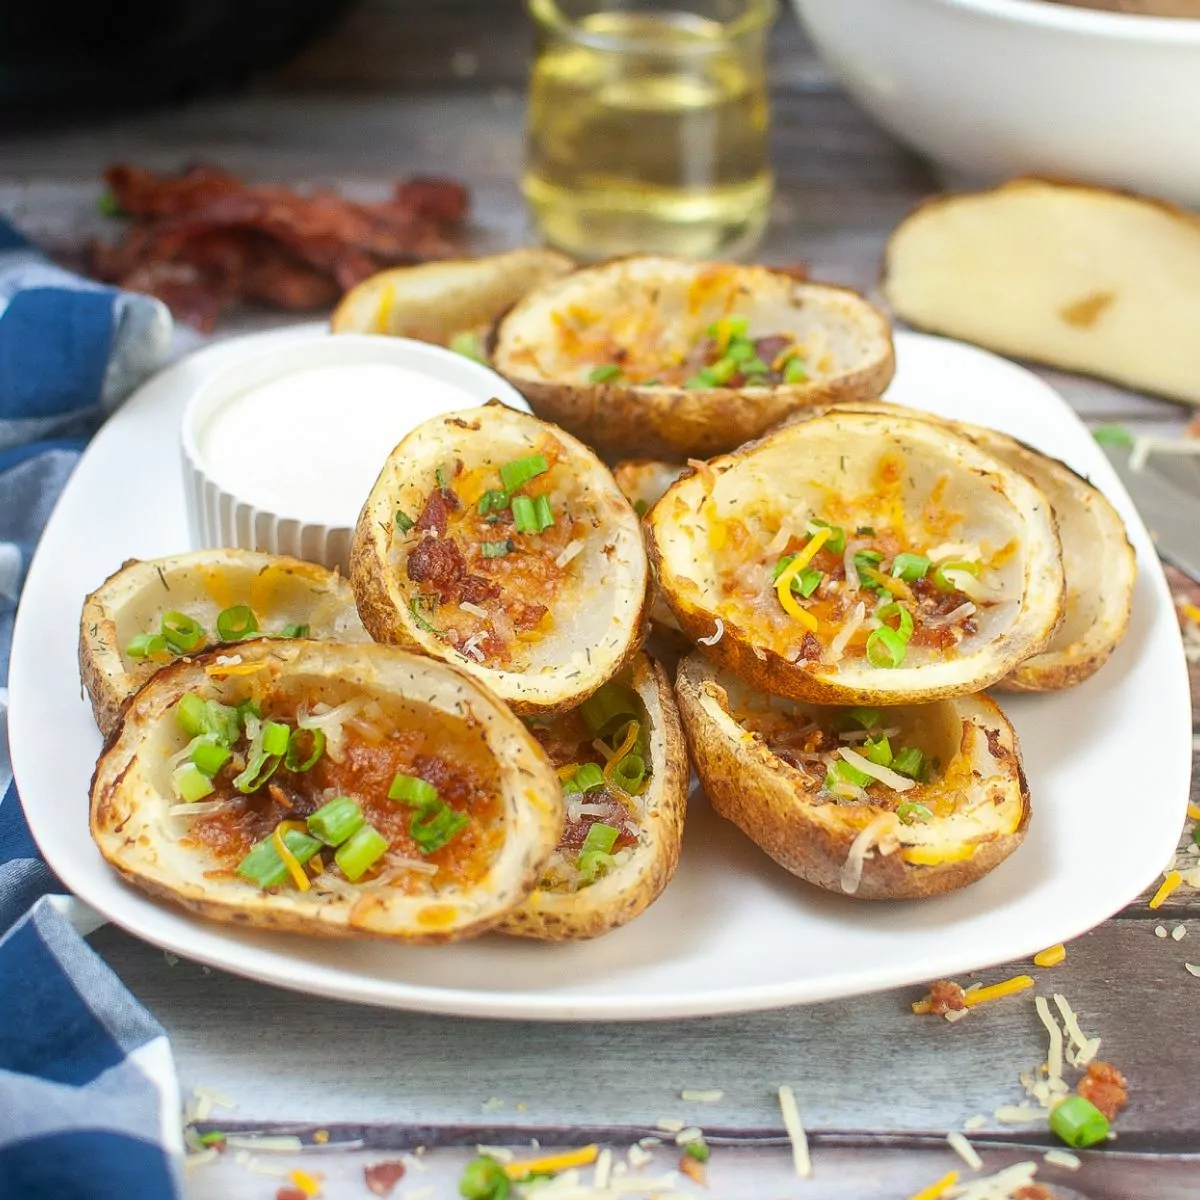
(405, 87)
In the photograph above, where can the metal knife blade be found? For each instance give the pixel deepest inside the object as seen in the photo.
(1171, 513)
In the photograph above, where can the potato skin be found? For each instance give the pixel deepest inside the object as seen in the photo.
(748, 785)
(126, 809)
(628, 892)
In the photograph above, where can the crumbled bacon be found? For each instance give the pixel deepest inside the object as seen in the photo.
(1035, 1191)
(1104, 1086)
(289, 1191)
(945, 996)
(810, 648)
(769, 348)
(436, 513)
(382, 1177)
(264, 243)
(476, 589)
(439, 563)
(527, 616)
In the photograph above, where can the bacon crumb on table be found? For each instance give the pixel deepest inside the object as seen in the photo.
(1104, 1086)
(945, 997)
(1035, 1191)
(382, 1177)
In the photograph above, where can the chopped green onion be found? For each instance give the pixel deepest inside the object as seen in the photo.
(608, 709)
(200, 718)
(699, 1150)
(912, 813)
(605, 373)
(593, 864)
(904, 623)
(292, 759)
(337, 821)
(403, 521)
(190, 783)
(1079, 1123)
(843, 772)
(543, 512)
(586, 779)
(236, 622)
(909, 762)
(629, 773)
(910, 567)
(732, 326)
(443, 475)
(361, 852)
(484, 1179)
(803, 584)
(641, 507)
(491, 499)
(942, 583)
(263, 864)
(868, 558)
(247, 708)
(107, 205)
(525, 515)
(600, 837)
(794, 370)
(411, 790)
(1112, 435)
(182, 633)
(836, 542)
(497, 549)
(878, 750)
(261, 763)
(436, 825)
(722, 371)
(210, 758)
(146, 645)
(214, 1138)
(755, 366)
(886, 648)
(293, 631)
(1196, 834)
(741, 350)
(703, 380)
(521, 470)
(275, 737)
(868, 718)
(415, 605)
(469, 344)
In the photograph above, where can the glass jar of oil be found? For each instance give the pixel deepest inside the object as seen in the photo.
(647, 126)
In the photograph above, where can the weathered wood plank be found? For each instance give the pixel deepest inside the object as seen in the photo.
(866, 1065)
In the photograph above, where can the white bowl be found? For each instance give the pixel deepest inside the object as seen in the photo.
(295, 485)
(993, 88)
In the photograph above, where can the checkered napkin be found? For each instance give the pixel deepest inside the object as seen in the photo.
(89, 1103)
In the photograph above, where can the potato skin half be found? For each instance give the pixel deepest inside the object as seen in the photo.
(628, 892)
(748, 785)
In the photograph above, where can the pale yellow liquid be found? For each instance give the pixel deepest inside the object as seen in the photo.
(653, 151)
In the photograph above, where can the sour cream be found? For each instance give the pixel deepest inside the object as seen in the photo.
(310, 443)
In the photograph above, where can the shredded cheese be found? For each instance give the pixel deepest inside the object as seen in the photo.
(995, 991)
(1192, 969)
(1193, 614)
(551, 1164)
(1054, 1056)
(1084, 1048)
(964, 1150)
(1000, 1186)
(936, 1190)
(1169, 884)
(1178, 933)
(979, 1121)
(885, 775)
(306, 1183)
(1051, 956)
(1018, 1114)
(475, 610)
(852, 868)
(701, 1095)
(841, 639)
(783, 585)
(295, 870)
(693, 1133)
(717, 634)
(569, 552)
(795, 1131)
(1062, 1158)
(627, 744)
(930, 856)
(603, 1170)
(668, 1125)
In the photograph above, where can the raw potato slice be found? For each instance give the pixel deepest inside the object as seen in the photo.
(652, 314)
(630, 887)
(1077, 277)
(890, 481)
(435, 301)
(162, 854)
(588, 571)
(280, 591)
(967, 819)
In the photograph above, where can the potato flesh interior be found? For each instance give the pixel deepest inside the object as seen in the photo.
(569, 744)
(377, 738)
(752, 523)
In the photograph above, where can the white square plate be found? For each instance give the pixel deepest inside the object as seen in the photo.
(1108, 766)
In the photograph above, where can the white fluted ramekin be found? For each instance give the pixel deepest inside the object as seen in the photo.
(219, 514)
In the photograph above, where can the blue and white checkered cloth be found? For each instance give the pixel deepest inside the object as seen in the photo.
(89, 1103)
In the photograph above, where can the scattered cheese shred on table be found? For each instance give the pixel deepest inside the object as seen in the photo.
(1082, 1049)
(669, 1124)
(1160, 931)
(1062, 1158)
(978, 1121)
(1003, 1183)
(1192, 969)
(1169, 884)
(552, 1163)
(995, 991)
(934, 1190)
(1179, 933)
(306, 1182)
(795, 1131)
(702, 1096)
(1018, 1114)
(1054, 1055)
(1051, 956)
(964, 1150)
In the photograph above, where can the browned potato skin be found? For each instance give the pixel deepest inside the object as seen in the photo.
(581, 919)
(750, 786)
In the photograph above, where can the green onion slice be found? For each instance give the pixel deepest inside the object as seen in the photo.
(263, 864)
(741, 350)
(294, 758)
(732, 326)
(525, 515)
(836, 542)
(939, 573)
(909, 761)
(605, 373)
(1079, 1123)
(484, 1179)
(911, 813)
(904, 620)
(910, 567)
(403, 521)
(629, 773)
(586, 779)
(720, 372)
(868, 718)
(293, 631)
(600, 837)
(469, 344)
(610, 708)
(544, 513)
(436, 825)
(1113, 435)
(497, 549)
(415, 606)
(209, 757)
(337, 821)
(146, 645)
(360, 852)
(521, 470)
(699, 1150)
(491, 499)
(886, 648)
(236, 622)
(641, 507)
(262, 763)
(182, 633)
(794, 370)
(409, 789)
(443, 475)
(878, 750)
(847, 773)
(190, 783)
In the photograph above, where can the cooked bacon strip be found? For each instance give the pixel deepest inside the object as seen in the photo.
(439, 563)
(435, 516)
(143, 193)
(476, 589)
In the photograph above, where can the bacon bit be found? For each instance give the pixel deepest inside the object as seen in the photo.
(438, 562)
(287, 1192)
(1051, 956)
(1035, 1191)
(693, 1170)
(476, 589)
(382, 1177)
(1104, 1086)
(528, 616)
(551, 1164)
(935, 1190)
(1169, 884)
(436, 513)
(943, 997)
